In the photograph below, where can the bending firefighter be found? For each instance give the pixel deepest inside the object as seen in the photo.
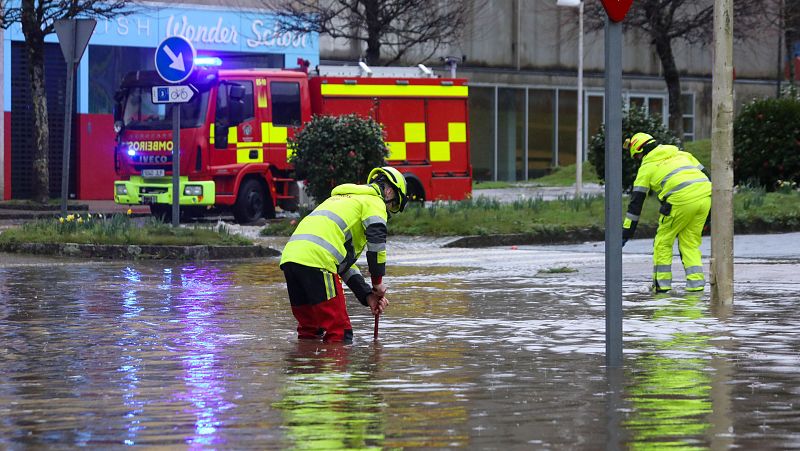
(684, 190)
(325, 246)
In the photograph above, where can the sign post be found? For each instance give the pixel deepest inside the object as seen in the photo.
(73, 35)
(616, 9)
(174, 60)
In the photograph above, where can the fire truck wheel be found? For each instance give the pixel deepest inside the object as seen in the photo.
(416, 193)
(250, 203)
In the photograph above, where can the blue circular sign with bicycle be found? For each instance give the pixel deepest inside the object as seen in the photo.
(175, 59)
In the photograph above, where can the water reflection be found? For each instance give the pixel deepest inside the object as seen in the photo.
(200, 302)
(328, 402)
(670, 386)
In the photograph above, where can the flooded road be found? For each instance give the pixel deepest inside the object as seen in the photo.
(479, 349)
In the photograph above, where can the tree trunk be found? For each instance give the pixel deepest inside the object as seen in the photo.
(673, 80)
(41, 128)
(372, 19)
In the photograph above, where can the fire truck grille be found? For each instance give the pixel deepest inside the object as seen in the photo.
(151, 190)
(165, 167)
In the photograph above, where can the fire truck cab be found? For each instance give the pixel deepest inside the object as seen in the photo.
(234, 133)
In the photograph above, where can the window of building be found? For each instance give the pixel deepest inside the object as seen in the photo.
(541, 123)
(688, 116)
(652, 104)
(567, 127)
(510, 134)
(594, 120)
(285, 103)
(482, 132)
(107, 66)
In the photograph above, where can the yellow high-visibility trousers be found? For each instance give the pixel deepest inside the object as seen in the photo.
(684, 222)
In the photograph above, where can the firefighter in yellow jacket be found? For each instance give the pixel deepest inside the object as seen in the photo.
(684, 190)
(325, 246)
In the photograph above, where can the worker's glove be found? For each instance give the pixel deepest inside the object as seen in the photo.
(379, 289)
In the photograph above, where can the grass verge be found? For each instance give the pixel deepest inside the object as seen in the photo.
(117, 229)
(755, 211)
(565, 176)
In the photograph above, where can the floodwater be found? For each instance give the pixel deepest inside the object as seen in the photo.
(494, 353)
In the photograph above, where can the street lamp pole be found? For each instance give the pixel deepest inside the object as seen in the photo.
(579, 145)
(579, 131)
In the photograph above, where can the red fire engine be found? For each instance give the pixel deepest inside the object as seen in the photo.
(234, 131)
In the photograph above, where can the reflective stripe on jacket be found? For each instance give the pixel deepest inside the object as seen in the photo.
(675, 175)
(335, 234)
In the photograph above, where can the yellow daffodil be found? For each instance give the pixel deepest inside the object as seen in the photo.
(70, 218)
(80, 220)
(130, 211)
(61, 220)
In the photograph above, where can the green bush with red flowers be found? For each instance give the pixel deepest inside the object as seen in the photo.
(766, 143)
(331, 150)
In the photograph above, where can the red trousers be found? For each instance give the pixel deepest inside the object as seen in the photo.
(318, 303)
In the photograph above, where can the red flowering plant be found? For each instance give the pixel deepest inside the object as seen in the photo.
(331, 150)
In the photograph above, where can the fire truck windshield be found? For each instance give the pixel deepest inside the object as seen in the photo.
(140, 113)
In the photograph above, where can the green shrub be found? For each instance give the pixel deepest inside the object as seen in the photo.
(767, 143)
(331, 150)
(634, 120)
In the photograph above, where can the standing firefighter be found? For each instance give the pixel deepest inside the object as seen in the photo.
(684, 190)
(323, 250)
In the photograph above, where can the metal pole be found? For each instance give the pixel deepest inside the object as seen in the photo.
(613, 204)
(67, 136)
(579, 140)
(176, 163)
(722, 156)
(779, 74)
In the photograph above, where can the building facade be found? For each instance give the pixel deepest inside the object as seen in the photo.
(521, 63)
(522, 59)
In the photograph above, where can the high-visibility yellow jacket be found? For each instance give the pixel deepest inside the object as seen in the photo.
(334, 235)
(676, 176)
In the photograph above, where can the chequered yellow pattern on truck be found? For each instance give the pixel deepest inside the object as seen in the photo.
(414, 132)
(253, 151)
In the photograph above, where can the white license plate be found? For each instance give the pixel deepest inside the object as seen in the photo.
(152, 173)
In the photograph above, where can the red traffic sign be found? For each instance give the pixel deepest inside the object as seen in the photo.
(617, 9)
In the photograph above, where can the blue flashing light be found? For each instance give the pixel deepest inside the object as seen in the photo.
(207, 61)
(131, 152)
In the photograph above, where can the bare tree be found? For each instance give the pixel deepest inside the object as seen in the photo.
(37, 19)
(388, 28)
(668, 21)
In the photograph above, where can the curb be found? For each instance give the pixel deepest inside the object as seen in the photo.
(8, 214)
(561, 237)
(56, 209)
(136, 252)
(577, 236)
